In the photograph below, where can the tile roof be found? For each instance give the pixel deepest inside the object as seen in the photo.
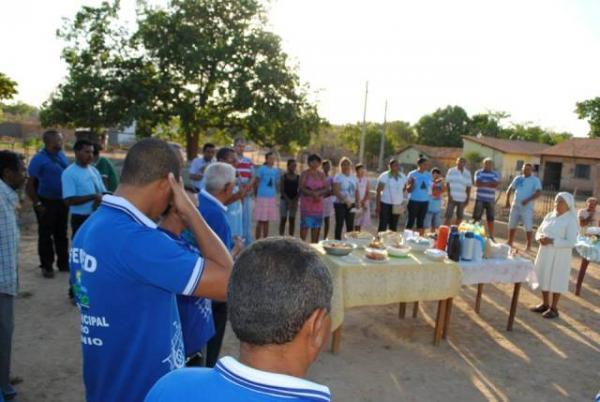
(435, 152)
(509, 146)
(576, 147)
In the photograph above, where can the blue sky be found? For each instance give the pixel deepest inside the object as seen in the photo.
(531, 58)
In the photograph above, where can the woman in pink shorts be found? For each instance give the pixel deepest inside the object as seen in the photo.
(267, 187)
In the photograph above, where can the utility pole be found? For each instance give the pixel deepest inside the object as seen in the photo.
(382, 144)
(361, 152)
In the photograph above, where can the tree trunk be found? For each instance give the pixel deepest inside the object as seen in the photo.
(191, 143)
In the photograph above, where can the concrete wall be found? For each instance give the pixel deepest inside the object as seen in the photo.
(568, 180)
(505, 163)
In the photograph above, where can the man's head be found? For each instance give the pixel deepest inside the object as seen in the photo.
(269, 158)
(53, 141)
(84, 152)
(423, 164)
(12, 169)
(239, 144)
(219, 180)
(208, 151)
(147, 167)
(461, 162)
(227, 155)
(591, 203)
(279, 295)
(527, 168)
(488, 164)
(394, 165)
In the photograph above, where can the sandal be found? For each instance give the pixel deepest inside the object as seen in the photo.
(551, 313)
(542, 308)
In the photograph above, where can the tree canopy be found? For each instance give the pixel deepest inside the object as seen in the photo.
(8, 87)
(444, 127)
(205, 65)
(590, 110)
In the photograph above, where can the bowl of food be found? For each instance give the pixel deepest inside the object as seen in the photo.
(376, 254)
(336, 247)
(376, 244)
(398, 250)
(389, 236)
(419, 244)
(360, 239)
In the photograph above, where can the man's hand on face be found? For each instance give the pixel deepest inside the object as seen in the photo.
(181, 201)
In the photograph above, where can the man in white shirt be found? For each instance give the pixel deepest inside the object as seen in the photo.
(459, 184)
(590, 215)
(390, 196)
(200, 163)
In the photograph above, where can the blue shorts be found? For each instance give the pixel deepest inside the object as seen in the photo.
(311, 222)
(433, 220)
(519, 213)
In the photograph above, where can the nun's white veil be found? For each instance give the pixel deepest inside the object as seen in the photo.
(570, 201)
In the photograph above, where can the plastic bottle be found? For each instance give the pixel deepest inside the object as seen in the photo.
(442, 237)
(467, 246)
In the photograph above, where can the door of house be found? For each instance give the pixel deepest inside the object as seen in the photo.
(552, 174)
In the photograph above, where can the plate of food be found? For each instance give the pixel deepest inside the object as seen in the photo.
(419, 243)
(337, 248)
(360, 239)
(435, 254)
(376, 255)
(593, 231)
(398, 250)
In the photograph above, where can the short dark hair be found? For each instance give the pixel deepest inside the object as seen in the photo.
(276, 284)
(392, 161)
(9, 160)
(97, 149)
(420, 161)
(79, 144)
(223, 152)
(314, 157)
(207, 146)
(49, 134)
(290, 161)
(436, 170)
(149, 160)
(270, 153)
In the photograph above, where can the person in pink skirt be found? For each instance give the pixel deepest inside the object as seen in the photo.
(267, 187)
(314, 186)
(329, 198)
(363, 216)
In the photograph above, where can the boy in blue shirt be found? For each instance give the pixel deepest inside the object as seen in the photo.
(126, 274)
(433, 218)
(526, 189)
(279, 298)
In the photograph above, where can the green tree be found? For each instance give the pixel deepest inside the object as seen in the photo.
(590, 110)
(487, 124)
(20, 110)
(8, 87)
(444, 127)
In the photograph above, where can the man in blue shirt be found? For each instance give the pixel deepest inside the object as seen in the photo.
(486, 180)
(126, 273)
(526, 188)
(44, 188)
(82, 185)
(12, 177)
(419, 189)
(279, 298)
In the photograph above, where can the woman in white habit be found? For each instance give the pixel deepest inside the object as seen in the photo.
(557, 235)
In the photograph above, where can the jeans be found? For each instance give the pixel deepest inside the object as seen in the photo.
(416, 213)
(213, 348)
(343, 215)
(6, 331)
(52, 234)
(247, 207)
(387, 219)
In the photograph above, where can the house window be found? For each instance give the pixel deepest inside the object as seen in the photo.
(582, 171)
(519, 165)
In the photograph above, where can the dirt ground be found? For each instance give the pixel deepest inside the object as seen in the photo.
(382, 358)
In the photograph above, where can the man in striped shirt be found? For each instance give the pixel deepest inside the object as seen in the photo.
(276, 351)
(487, 181)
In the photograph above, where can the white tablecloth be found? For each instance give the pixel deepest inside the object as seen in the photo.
(588, 250)
(491, 270)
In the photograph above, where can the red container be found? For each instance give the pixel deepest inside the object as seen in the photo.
(442, 237)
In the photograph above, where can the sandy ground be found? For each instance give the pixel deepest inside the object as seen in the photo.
(382, 358)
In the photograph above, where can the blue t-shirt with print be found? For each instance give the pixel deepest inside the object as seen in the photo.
(125, 275)
(268, 178)
(79, 181)
(422, 185)
(47, 168)
(525, 187)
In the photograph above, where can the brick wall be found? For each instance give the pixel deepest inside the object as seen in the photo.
(568, 180)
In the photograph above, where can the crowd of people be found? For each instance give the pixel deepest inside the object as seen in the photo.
(158, 268)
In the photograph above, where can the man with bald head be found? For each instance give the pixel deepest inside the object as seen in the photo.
(44, 188)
